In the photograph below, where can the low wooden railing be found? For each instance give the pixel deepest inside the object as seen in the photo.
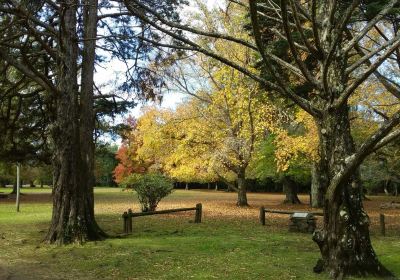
(263, 211)
(127, 216)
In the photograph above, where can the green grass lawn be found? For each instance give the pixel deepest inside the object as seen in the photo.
(165, 246)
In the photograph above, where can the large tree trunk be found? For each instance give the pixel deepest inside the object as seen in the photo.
(87, 115)
(242, 189)
(317, 189)
(290, 190)
(72, 218)
(344, 240)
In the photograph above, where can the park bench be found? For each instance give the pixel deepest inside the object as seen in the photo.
(127, 216)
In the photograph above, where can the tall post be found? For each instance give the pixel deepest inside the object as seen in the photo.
(18, 186)
(125, 220)
(130, 216)
(262, 215)
(198, 214)
(382, 223)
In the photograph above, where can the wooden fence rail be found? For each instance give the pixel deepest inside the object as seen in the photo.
(127, 216)
(263, 211)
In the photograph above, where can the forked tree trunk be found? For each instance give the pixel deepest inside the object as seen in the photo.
(290, 190)
(73, 217)
(242, 189)
(344, 240)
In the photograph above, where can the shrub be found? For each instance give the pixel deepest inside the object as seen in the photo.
(150, 188)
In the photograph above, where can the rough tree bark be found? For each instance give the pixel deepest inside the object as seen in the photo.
(73, 217)
(290, 190)
(317, 183)
(87, 115)
(241, 188)
(344, 241)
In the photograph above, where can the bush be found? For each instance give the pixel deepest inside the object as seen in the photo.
(150, 189)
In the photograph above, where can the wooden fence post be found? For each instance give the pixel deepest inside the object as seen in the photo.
(382, 222)
(130, 220)
(262, 215)
(199, 210)
(125, 220)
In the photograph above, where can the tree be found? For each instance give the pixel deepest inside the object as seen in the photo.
(336, 38)
(105, 163)
(227, 116)
(53, 45)
(287, 154)
(150, 189)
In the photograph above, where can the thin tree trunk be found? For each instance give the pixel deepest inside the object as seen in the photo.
(290, 190)
(344, 240)
(385, 188)
(187, 186)
(242, 189)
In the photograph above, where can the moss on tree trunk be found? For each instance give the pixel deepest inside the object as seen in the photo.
(344, 241)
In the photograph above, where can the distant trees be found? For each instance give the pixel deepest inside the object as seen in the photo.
(327, 52)
(105, 163)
